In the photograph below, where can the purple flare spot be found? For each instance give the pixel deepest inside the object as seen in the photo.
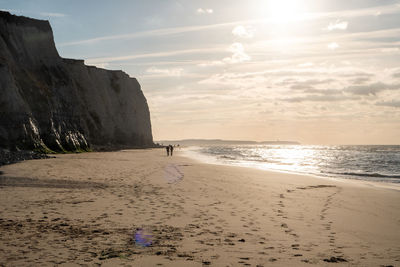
(143, 238)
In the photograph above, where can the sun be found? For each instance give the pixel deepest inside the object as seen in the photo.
(283, 11)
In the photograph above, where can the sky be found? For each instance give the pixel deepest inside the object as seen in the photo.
(312, 71)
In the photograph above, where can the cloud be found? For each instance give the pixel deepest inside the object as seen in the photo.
(301, 86)
(324, 91)
(371, 89)
(386, 9)
(204, 11)
(172, 72)
(296, 84)
(333, 46)
(348, 93)
(390, 50)
(338, 25)
(396, 75)
(42, 14)
(370, 11)
(360, 80)
(238, 54)
(307, 85)
(356, 74)
(93, 61)
(211, 63)
(394, 104)
(52, 14)
(10, 10)
(101, 65)
(243, 32)
(153, 33)
(236, 80)
(319, 98)
(306, 64)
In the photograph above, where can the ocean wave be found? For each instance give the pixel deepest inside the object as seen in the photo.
(377, 175)
(373, 163)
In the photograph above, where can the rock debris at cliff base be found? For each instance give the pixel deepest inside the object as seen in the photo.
(10, 157)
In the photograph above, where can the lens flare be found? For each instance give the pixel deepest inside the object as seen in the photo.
(143, 238)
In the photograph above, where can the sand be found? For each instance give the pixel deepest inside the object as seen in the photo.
(142, 208)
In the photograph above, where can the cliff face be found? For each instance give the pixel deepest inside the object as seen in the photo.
(61, 104)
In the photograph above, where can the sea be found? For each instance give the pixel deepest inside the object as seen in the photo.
(378, 163)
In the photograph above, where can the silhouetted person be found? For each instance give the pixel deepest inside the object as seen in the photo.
(167, 148)
(171, 148)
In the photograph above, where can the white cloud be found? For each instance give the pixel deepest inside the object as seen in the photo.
(204, 11)
(333, 46)
(172, 72)
(243, 32)
(102, 65)
(236, 80)
(390, 50)
(238, 54)
(93, 61)
(211, 63)
(338, 25)
(152, 33)
(52, 14)
(306, 64)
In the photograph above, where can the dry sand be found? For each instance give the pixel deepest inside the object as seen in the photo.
(85, 209)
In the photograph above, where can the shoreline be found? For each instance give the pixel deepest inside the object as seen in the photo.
(90, 208)
(209, 160)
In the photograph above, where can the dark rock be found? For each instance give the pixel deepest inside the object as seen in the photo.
(335, 259)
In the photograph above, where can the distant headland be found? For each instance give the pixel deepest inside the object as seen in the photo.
(204, 142)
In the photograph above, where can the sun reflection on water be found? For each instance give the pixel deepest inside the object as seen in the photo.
(291, 158)
(379, 163)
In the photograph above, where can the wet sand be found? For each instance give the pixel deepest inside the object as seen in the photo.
(142, 208)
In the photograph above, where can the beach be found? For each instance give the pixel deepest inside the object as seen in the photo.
(142, 208)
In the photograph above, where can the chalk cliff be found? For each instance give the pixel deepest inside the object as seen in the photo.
(49, 102)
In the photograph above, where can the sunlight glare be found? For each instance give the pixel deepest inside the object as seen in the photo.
(284, 11)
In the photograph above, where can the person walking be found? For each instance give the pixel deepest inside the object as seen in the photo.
(171, 149)
(167, 148)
